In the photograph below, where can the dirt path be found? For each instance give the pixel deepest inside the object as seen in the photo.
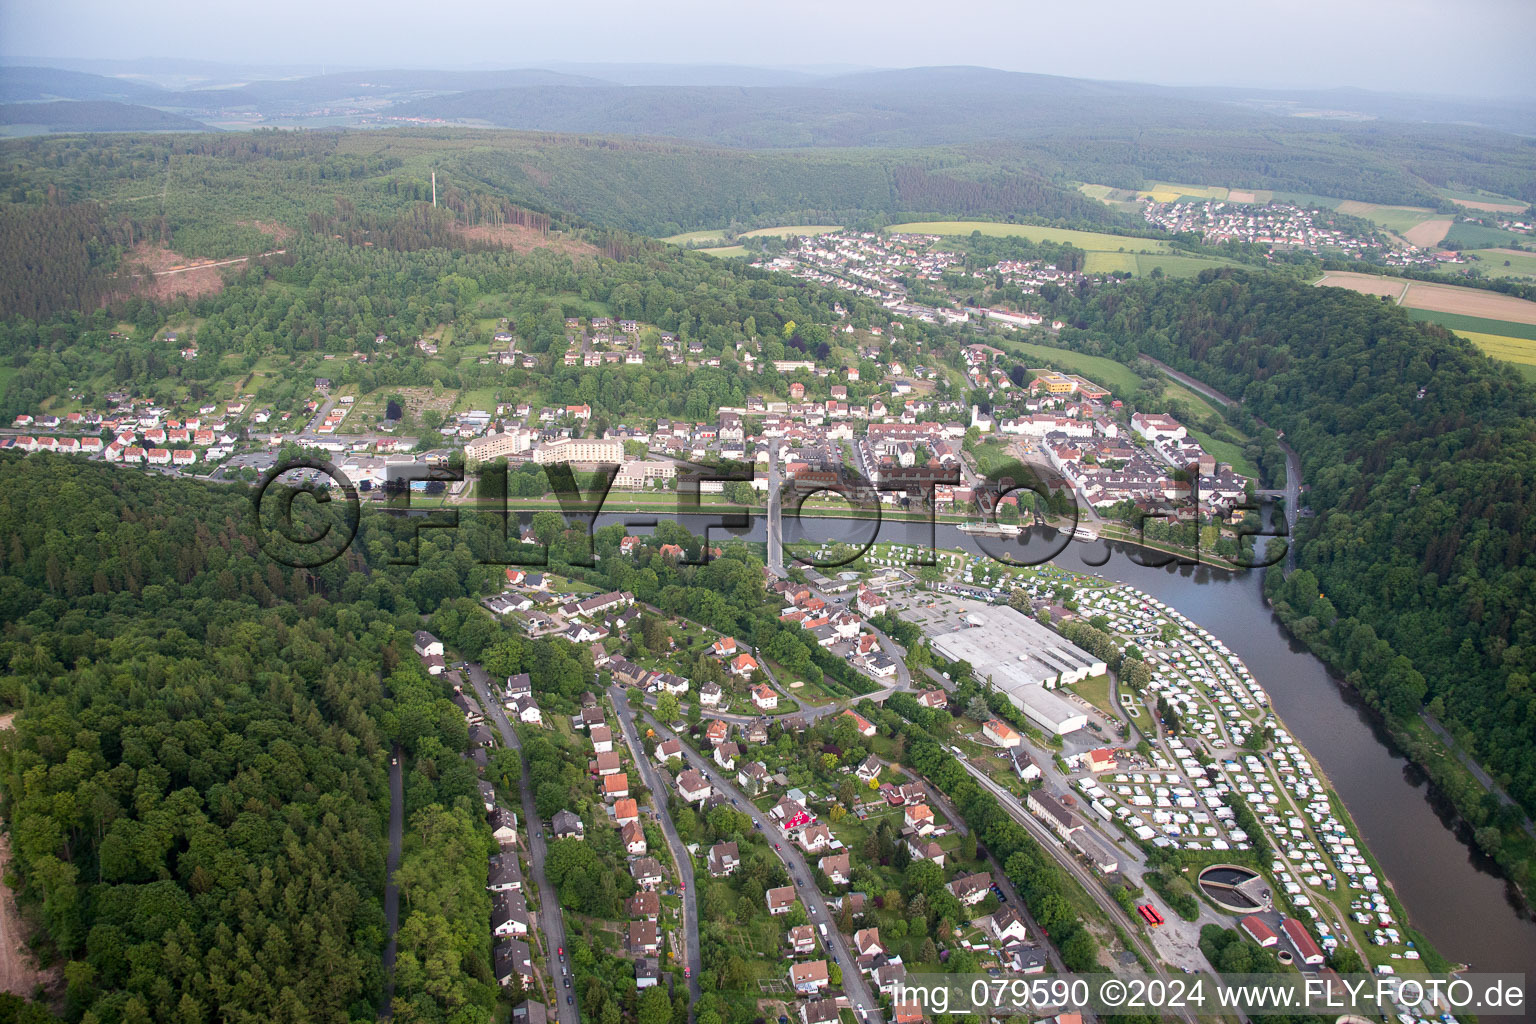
(18, 974)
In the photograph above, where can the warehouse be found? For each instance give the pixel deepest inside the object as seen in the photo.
(1022, 659)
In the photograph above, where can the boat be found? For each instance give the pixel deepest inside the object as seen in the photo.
(989, 529)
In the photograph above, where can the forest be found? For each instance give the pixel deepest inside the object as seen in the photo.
(196, 789)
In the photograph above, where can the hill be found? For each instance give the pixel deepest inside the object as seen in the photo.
(96, 116)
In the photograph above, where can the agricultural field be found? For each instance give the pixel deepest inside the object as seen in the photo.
(1468, 234)
(1400, 219)
(1519, 351)
(1490, 202)
(1511, 342)
(1492, 262)
(1437, 298)
(1093, 241)
(1430, 233)
(1366, 284)
(784, 231)
(1142, 264)
(725, 251)
(1171, 192)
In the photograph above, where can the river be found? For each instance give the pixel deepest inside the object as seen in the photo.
(1449, 889)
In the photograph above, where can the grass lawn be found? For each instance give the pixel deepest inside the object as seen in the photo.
(726, 251)
(706, 235)
(1094, 241)
(1096, 692)
(1226, 451)
(1102, 371)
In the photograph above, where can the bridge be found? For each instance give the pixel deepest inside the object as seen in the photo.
(775, 514)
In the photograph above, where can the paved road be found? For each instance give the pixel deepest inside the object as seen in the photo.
(392, 864)
(865, 1006)
(550, 921)
(680, 856)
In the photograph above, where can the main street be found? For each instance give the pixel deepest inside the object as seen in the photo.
(865, 1006)
(550, 921)
(680, 855)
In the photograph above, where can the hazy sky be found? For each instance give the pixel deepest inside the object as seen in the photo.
(1478, 47)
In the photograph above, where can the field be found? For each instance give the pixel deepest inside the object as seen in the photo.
(1430, 233)
(1488, 201)
(1438, 298)
(1168, 192)
(718, 234)
(726, 250)
(1519, 351)
(1142, 264)
(1093, 241)
(1476, 235)
(1491, 262)
(1118, 377)
(1394, 218)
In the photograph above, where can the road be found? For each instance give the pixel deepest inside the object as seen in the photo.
(550, 921)
(680, 856)
(865, 1006)
(1085, 878)
(392, 864)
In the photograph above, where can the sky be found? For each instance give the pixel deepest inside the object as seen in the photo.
(1451, 47)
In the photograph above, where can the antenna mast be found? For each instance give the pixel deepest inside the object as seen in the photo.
(434, 188)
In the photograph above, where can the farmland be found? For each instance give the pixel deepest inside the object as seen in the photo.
(783, 231)
(1519, 351)
(1430, 233)
(1439, 298)
(1092, 241)
(726, 251)
(1470, 235)
(1141, 264)
(1491, 262)
(1401, 219)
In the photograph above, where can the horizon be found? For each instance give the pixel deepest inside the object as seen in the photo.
(1241, 50)
(218, 74)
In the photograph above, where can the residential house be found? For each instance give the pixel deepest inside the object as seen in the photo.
(567, 825)
(866, 942)
(1001, 733)
(743, 665)
(936, 698)
(863, 726)
(509, 914)
(717, 732)
(633, 837)
(644, 938)
(764, 698)
(503, 826)
(626, 811)
(1007, 927)
(837, 867)
(644, 905)
(668, 749)
(724, 858)
(919, 818)
(819, 1011)
(504, 874)
(710, 695)
(693, 787)
(780, 899)
(615, 786)
(647, 872)
(808, 978)
(602, 739)
(1051, 811)
(802, 939)
(753, 778)
(726, 754)
(426, 644)
(816, 838)
(605, 764)
(971, 889)
(869, 771)
(512, 959)
(922, 849)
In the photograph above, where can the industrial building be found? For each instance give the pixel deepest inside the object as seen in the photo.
(1023, 659)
